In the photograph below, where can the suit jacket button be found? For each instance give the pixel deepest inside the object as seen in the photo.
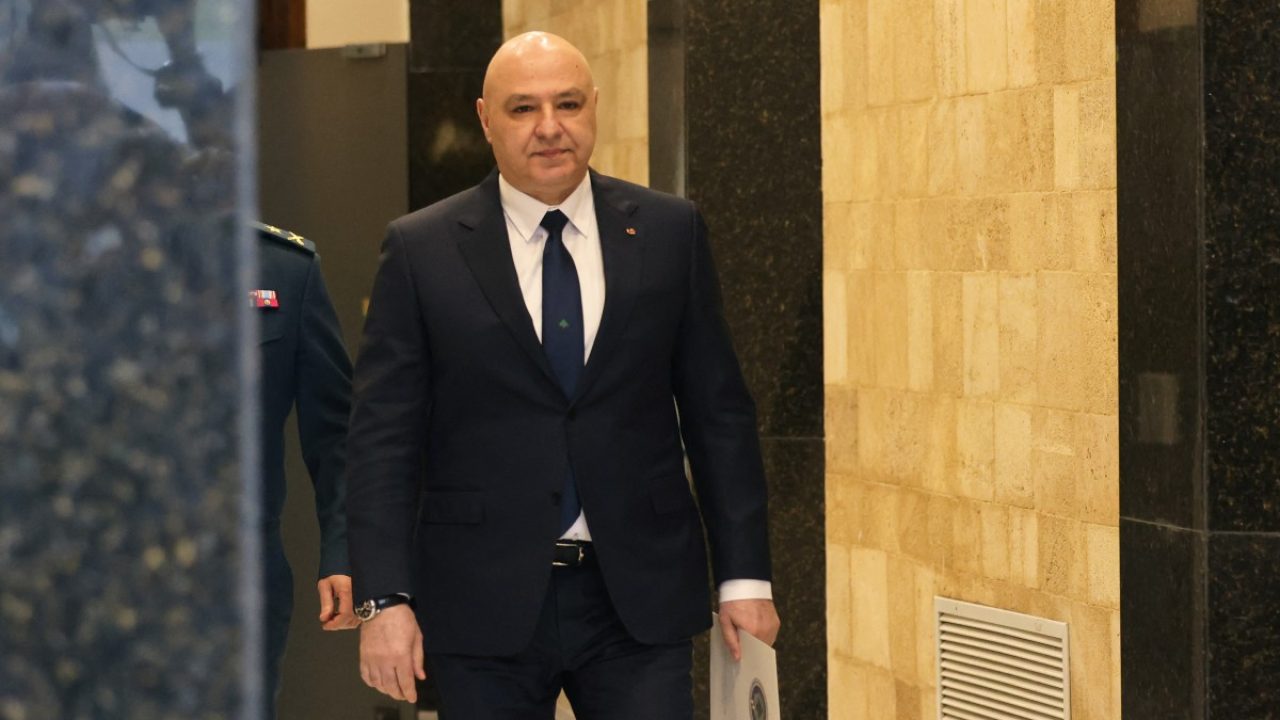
(555, 499)
(572, 413)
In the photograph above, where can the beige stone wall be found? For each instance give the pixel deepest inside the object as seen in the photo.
(334, 23)
(970, 332)
(613, 34)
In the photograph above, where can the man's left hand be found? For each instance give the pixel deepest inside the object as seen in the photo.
(337, 611)
(757, 617)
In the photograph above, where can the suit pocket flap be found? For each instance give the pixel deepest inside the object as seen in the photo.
(671, 495)
(452, 508)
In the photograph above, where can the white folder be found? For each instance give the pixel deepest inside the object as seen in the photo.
(746, 689)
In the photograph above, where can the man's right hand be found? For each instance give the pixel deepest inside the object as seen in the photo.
(391, 653)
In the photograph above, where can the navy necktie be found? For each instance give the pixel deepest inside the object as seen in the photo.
(562, 337)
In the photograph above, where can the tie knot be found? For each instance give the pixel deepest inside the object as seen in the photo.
(554, 221)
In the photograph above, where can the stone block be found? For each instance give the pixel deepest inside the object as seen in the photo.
(975, 449)
(856, 51)
(987, 43)
(869, 608)
(1094, 231)
(1089, 44)
(902, 619)
(994, 519)
(1061, 550)
(971, 144)
(940, 454)
(1014, 484)
(1066, 137)
(942, 147)
(914, 75)
(1097, 133)
(913, 527)
(1098, 479)
(909, 246)
(860, 295)
(981, 316)
(842, 497)
(950, 47)
(919, 330)
(841, 413)
(1024, 547)
(913, 150)
(948, 334)
(1103, 555)
(878, 517)
(832, 38)
(1054, 462)
(839, 600)
(889, 327)
(835, 329)
(1022, 43)
(1077, 363)
(880, 58)
(1091, 637)
(631, 95)
(1018, 337)
(838, 158)
(1051, 40)
(965, 551)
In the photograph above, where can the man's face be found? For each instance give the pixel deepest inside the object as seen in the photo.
(539, 114)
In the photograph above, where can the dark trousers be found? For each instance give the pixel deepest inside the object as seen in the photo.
(278, 601)
(579, 646)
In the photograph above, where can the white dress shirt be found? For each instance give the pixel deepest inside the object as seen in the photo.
(581, 237)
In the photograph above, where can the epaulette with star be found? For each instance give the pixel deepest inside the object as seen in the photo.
(291, 239)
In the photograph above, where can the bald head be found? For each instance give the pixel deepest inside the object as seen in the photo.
(534, 53)
(539, 114)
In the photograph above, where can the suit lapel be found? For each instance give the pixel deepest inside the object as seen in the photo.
(622, 247)
(487, 251)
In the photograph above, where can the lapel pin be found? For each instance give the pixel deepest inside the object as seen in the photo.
(631, 231)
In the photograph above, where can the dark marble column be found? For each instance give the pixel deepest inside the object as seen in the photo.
(736, 124)
(1199, 265)
(450, 47)
(451, 44)
(129, 576)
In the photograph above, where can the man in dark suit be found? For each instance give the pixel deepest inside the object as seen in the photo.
(304, 364)
(551, 342)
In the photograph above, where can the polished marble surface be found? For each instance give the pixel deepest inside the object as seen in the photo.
(752, 162)
(1162, 621)
(1199, 278)
(127, 558)
(1242, 263)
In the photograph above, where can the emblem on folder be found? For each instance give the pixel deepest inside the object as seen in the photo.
(759, 707)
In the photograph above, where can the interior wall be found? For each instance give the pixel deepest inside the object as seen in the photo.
(334, 23)
(613, 35)
(970, 335)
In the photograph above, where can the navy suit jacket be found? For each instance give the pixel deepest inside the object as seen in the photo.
(452, 380)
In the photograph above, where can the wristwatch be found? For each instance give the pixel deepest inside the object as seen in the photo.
(370, 608)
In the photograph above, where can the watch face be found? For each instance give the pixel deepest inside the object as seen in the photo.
(366, 610)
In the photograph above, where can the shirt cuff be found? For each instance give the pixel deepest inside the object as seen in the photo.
(731, 590)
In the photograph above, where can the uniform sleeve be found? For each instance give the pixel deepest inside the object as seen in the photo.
(324, 406)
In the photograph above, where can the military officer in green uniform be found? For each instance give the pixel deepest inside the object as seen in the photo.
(304, 364)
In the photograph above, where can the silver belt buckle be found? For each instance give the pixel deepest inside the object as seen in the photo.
(581, 554)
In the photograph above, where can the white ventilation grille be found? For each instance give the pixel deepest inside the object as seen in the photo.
(999, 665)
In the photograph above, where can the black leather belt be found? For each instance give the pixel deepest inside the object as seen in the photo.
(570, 553)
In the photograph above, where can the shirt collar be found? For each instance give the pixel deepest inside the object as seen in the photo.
(525, 212)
